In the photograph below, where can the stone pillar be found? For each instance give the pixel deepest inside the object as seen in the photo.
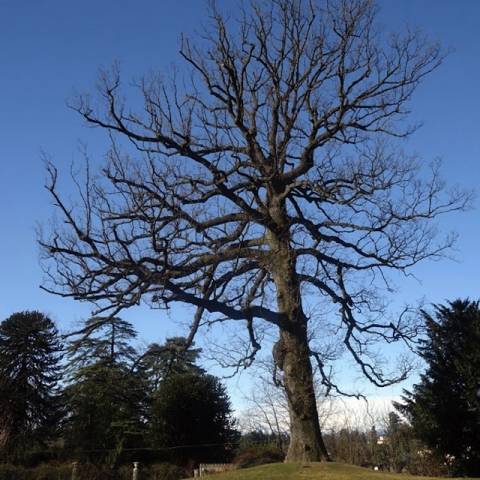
(74, 470)
(135, 470)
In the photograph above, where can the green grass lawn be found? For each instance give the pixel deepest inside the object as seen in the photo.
(314, 471)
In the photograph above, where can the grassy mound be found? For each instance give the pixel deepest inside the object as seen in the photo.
(314, 471)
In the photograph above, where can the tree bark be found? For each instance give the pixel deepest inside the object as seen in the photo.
(306, 442)
(292, 356)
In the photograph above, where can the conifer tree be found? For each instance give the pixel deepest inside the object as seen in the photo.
(444, 407)
(192, 413)
(174, 357)
(29, 375)
(106, 399)
(103, 339)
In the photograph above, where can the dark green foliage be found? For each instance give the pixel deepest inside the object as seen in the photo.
(444, 408)
(88, 471)
(160, 471)
(109, 402)
(258, 447)
(250, 456)
(103, 339)
(193, 410)
(190, 414)
(172, 358)
(164, 471)
(400, 449)
(105, 411)
(105, 400)
(42, 472)
(29, 373)
(261, 437)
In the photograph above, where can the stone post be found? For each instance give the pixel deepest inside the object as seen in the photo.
(135, 470)
(74, 470)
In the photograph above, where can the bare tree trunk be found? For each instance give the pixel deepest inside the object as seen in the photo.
(291, 354)
(306, 442)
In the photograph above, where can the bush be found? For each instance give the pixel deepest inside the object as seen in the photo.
(258, 455)
(88, 471)
(165, 471)
(42, 472)
(50, 472)
(10, 472)
(428, 463)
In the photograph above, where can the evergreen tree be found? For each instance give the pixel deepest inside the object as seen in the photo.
(191, 411)
(106, 339)
(29, 375)
(172, 358)
(401, 446)
(106, 411)
(444, 408)
(375, 443)
(105, 400)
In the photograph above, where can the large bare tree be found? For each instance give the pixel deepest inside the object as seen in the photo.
(268, 174)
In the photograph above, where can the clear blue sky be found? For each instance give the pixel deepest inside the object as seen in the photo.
(49, 48)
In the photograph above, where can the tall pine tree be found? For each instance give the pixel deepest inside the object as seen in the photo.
(174, 357)
(191, 416)
(105, 398)
(444, 408)
(103, 339)
(190, 413)
(29, 374)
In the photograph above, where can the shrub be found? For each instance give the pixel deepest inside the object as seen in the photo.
(428, 463)
(258, 455)
(42, 472)
(11, 472)
(50, 472)
(165, 471)
(88, 471)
